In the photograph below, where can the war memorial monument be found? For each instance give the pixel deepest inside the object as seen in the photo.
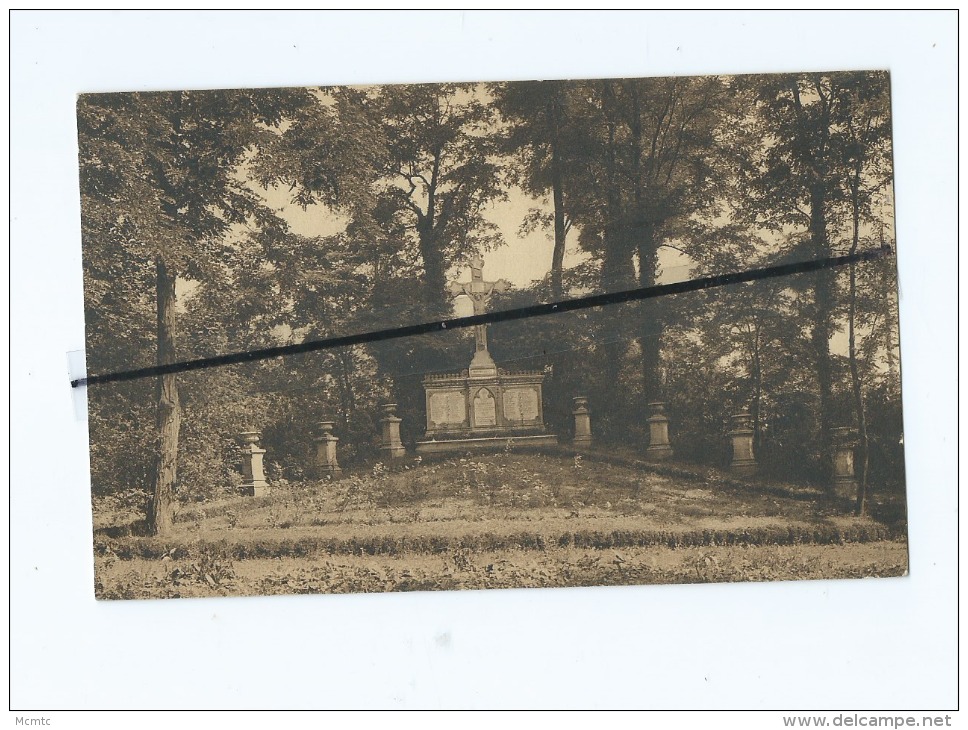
(484, 406)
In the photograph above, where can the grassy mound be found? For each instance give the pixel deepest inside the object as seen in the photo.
(562, 510)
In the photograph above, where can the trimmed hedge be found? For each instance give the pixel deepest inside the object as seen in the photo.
(155, 549)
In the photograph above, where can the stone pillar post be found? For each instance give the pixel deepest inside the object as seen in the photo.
(254, 484)
(583, 423)
(326, 464)
(659, 447)
(390, 445)
(744, 462)
(844, 441)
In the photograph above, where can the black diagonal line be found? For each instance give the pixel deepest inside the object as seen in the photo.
(507, 315)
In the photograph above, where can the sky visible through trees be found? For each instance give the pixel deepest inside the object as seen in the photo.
(231, 220)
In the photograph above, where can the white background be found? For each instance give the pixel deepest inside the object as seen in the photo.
(885, 644)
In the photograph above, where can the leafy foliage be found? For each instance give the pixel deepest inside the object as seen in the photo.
(727, 173)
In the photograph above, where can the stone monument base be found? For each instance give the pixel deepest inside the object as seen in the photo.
(468, 406)
(490, 443)
(845, 487)
(744, 467)
(658, 453)
(327, 472)
(254, 490)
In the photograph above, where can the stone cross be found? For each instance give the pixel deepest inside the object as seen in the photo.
(479, 291)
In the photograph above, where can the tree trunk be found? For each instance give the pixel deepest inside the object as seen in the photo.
(168, 418)
(863, 442)
(558, 256)
(618, 273)
(650, 340)
(755, 405)
(435, 264)
(643, 236)
(346, 382)
(435, 267)
(888, 330)
(558, 198)
(618, 270)
(822, 327)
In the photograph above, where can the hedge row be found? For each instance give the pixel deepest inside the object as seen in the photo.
(153, 549)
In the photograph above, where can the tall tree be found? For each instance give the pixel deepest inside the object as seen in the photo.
(800, 178)
(411, 167)
(440, 173)
(673, 149)
(169, 162)
(868, 172)
(420, 172)
(655, 169)
(545, 145)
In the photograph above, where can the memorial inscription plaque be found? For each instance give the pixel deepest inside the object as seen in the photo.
(521, 404)
(447, 408)
(485, 410)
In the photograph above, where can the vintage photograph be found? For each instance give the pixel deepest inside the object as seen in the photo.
(739, 432)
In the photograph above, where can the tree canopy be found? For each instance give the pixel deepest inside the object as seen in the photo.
(187, 252)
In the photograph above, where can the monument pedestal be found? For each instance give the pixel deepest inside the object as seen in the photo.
(744, 462)
(390, 445)
(482, 365)
(326, 463)
(659, 448)
(583, 423)
(492, 443)
(483, 407)
(468, 412)
(254, 482)
(844, 480)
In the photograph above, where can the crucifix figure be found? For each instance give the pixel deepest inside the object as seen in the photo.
(479, 291)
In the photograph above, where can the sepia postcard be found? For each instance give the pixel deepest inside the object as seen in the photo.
(735, 431)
